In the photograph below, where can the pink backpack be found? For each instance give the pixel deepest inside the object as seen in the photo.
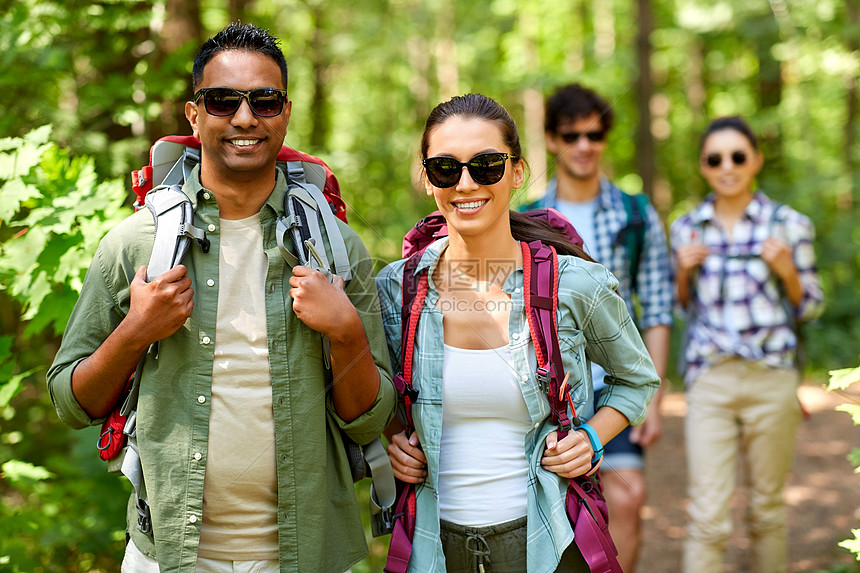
(586, 507)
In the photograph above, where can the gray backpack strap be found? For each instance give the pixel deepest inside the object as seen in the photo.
(173, 214)
(181, 170)
(298, 180)
(304, 206)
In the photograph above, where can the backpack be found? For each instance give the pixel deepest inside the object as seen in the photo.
(586, 508)
(312, 202)
(631, 235)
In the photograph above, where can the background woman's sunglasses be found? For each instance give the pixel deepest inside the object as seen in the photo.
(221, 102)
(484, 169)
(715, 159)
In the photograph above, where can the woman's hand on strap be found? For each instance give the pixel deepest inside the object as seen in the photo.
(569, 457)
(407, 459)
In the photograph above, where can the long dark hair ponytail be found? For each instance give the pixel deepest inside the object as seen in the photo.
(528, 229)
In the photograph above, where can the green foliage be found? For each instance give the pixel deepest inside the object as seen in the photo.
(53, 212)
(841, 380)
(59, 509)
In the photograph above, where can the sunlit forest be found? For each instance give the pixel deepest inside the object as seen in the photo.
(88, 86)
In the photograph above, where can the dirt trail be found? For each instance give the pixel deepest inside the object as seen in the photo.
(823, 492)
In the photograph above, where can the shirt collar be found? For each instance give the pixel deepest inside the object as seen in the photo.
(275, 201)
(602, 201)
(753, 212)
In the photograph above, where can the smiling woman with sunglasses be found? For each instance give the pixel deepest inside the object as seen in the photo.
(746, 275)
(488, 466)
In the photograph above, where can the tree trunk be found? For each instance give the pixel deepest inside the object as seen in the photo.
(237, 10)
(181, 24)
(447, 70)
(319, 62)
(645, 152)
(533, 109)
(852, 169)
(770, 84)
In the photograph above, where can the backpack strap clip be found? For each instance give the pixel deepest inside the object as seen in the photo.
(543, 374)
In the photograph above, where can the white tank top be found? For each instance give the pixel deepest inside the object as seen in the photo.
(483, 470)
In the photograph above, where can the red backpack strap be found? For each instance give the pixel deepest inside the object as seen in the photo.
(414, 290)
(586, 507)
(540, 285)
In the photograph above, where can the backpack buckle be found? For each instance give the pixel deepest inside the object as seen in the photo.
(544, 376)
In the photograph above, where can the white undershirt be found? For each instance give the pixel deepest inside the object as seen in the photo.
(240, 487)
(483, 470)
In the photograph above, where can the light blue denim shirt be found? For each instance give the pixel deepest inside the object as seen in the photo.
(594, 324)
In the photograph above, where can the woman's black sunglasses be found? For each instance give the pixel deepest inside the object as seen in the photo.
(715, 159)
(484, 169)
(221, 102)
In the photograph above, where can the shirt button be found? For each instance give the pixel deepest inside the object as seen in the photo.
(198, 455)
(272, 287)
(516, 336)
(211, 228)
(201, 399)
(210, 282)
(206, 196)
(517, 290)
(537, 425)
(274, 345)
(525, 378)
(192, 519)
(206, 340)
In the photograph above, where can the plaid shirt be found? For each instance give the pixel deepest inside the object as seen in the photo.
(740, 308)
(593, 324)
(654, 287)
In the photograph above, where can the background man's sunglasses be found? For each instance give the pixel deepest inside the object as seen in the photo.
(573, 136)
(484, 169)
(715, 159)
(221, 102)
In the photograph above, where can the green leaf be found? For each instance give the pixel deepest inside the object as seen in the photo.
(852, 545)
(854, 458)
(842, 379)
(851, 409)
(16, 470)
(13, 386)
(22, 154)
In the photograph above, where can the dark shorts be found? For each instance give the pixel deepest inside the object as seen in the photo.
(620, 453)
(499, 548)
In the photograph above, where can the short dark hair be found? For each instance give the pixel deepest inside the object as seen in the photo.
(572, 102)
(732, 122)
(238, 36)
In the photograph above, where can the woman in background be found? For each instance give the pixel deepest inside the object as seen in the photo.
(746, 275)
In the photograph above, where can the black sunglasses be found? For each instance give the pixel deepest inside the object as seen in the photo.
(573, 136)
(715, 159)
(221, 102)
(484, 169)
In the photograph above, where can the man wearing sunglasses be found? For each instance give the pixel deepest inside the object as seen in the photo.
(577, 126)
(238, 418)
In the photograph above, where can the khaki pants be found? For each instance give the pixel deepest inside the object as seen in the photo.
(739, 409)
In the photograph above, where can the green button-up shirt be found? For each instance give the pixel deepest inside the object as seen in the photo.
(593, 324)
(319, 527)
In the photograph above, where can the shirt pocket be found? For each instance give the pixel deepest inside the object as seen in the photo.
(571, 342)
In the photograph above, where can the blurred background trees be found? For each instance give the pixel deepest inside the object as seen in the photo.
(87, 86)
